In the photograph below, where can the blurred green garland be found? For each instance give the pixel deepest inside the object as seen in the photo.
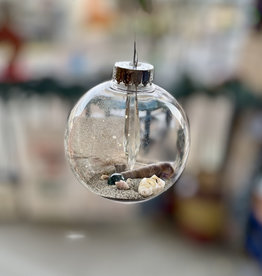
(239, 93)
(146, 5)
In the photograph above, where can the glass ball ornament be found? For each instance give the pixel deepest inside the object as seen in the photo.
(127, 139)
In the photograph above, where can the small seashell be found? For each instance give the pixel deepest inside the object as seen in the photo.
(129, 181)
(122, 185)
(145, 187)
(150, 186)
(160, 184)
(104, 177)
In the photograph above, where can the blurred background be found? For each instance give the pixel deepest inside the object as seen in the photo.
(208, 54)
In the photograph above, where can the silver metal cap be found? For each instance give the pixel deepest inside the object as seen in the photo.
(125, 72)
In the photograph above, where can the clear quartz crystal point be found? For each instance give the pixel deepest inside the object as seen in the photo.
(132, 129)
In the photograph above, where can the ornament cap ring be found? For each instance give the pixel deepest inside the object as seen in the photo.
(139, 75)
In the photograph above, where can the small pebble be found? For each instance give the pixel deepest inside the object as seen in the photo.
(122, 185)
(115, 177)
(104, 177)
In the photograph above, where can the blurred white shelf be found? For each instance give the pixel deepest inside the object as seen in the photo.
(130, 249)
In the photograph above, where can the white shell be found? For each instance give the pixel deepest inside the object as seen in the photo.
(145, 189)
(160, 183)
(122, 185)
(150, 186)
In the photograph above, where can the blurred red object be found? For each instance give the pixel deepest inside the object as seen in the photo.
(7, 34)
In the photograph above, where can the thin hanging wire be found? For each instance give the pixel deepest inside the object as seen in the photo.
(135, 56)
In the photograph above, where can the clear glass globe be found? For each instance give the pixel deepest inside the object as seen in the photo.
(127, 140)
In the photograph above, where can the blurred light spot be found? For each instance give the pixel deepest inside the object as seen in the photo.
(75, 235)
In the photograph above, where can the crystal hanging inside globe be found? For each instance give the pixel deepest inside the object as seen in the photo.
(127, 139)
